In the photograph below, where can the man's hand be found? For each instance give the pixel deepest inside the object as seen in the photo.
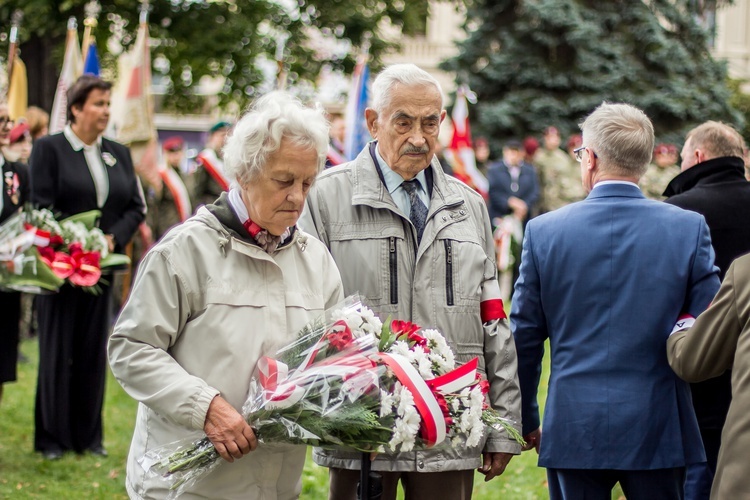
(519, 207)
(229, 433)
(533, 439)
(494, 464)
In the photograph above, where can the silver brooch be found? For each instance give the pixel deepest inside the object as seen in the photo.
(109, 159)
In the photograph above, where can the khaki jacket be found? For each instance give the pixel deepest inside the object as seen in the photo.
(720, 340)
(204, 307)
(437, 284)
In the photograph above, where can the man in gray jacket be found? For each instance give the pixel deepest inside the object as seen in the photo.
(417, 245)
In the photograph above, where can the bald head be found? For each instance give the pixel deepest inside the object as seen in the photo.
(711, 140)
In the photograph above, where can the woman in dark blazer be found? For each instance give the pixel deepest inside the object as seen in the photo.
(15, 192)
(72, 172)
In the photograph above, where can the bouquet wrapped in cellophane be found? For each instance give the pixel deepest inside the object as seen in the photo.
(351, 381)
(42, 253)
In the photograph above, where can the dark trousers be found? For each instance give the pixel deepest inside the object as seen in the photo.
(10, 313)
(449, 485)
(586, 484)
(700, 476)
(73, 331)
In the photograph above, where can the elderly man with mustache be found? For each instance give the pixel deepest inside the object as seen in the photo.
(418, 246)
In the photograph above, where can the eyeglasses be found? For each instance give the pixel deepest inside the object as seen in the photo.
(578, 152)
(5, 121)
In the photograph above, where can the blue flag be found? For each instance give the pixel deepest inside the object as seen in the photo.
(91, 63)
(357, 134)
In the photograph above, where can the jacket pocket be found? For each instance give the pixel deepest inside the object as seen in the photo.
(448, 272)
(393, 269)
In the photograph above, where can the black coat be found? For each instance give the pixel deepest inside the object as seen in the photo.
(15, 186)
(61, 181)
(717, 189)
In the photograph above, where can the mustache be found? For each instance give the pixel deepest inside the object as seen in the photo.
(415, 150)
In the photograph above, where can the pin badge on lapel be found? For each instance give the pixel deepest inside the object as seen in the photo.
(109, 159)
(12, 184)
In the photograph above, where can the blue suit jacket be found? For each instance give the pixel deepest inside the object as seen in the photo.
(605, 280)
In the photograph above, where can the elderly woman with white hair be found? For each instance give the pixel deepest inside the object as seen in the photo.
(232, 283)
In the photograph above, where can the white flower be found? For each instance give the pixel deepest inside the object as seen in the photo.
(405, 400)
(455, 404)
(402, 348)
(387, 401)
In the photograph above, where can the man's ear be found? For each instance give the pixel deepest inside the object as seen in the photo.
(371, 116)
(443, 113)
(700, 155)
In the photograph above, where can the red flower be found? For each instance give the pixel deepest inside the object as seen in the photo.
(399, 328)
(87, 271)
(339, 336)
(55, 240)
(444, 408)
(47, 254)
(62, 265)
(484, 385)
(75, 248)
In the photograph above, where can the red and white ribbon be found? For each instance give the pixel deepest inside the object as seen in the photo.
(491, 305)
(41, 238)
(214, 167)
(174, 183)
(684, 322)
(454, 381)
(433, 423)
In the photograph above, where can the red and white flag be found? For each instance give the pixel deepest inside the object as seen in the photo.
(71, 70)
(464, 163)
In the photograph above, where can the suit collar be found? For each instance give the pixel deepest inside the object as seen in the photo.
(714, 171)
(626, 190)
(75, 142)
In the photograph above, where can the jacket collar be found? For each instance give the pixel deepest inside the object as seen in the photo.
(369, 188)
(714, 171)
(75, 142)
(615, 190)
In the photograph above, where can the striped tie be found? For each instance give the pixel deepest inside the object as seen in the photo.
(418, 214)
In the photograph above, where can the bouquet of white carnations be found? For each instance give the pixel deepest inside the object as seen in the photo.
(352, 381)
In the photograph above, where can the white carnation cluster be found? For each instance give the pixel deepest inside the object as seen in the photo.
(361, 320)
(467, 406)
(406, 426)
(73, 232)
(440, 356)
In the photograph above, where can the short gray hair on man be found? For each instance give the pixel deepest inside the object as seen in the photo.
(404, 74)
(622, 137)
(275, 116)
(716, 139)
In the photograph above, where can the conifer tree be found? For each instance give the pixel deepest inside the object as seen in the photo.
(551, 62)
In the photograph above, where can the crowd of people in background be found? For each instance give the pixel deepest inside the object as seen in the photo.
(528, 178)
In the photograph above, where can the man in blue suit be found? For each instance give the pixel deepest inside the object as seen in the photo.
(606, 279)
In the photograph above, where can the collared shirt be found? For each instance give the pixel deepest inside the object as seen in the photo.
(94, 160)
(604, 183)
(393, 183)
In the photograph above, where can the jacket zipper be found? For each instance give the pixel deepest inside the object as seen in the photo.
(449, 272)
(393, 260)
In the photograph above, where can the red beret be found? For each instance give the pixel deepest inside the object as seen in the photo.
(173, 143)
(18, 132)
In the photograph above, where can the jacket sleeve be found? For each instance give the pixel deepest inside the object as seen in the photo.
(150, 323)
(135, 211)
(499, 356)
(43, 174)
(529, 326)
(704, 275)
(707, 349)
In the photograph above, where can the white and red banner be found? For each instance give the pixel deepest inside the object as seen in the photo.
(461, 151)
(214, 166)
(71, 70)
(176, 186)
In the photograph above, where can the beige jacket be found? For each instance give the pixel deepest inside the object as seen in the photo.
(437, 285)
(719, 340)
(204, 307)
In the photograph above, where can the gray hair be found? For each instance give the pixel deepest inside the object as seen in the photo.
(622, 137)
(258, 134)
(404, 74)
(716, 139)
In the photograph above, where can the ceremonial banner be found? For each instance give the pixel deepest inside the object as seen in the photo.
(464, 163)
(18, 89)
(357, 134)
(71, 70)
(91, 63)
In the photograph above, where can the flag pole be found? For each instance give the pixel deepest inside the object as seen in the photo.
(281, 73)
(91, 11)
(15, 22)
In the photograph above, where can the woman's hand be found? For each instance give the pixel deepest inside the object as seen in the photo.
(229, 433)
(110, 242)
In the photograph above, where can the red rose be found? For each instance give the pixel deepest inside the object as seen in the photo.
(339, 336)
(399, 328)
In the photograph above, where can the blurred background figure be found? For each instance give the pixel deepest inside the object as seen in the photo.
(337, 135)
(19, 144)
(38, 121)
(661, 171)
(209, 180)
(15, 192)
(559, 174)
(574, 142)
(530, 147)
(514, 191)
(482, 154)
(171, 204)
(76, 171)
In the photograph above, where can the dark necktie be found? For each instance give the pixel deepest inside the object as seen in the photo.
(418, 215)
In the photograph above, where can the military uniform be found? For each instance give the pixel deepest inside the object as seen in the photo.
(655, 180)
(560, 179)
(169, 206)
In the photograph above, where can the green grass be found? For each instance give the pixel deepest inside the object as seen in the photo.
(24, 474)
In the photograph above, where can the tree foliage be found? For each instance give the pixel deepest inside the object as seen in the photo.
(213, 38)
(551, 62)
